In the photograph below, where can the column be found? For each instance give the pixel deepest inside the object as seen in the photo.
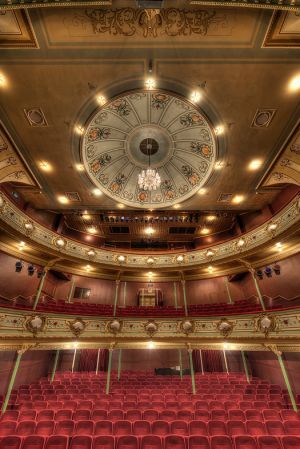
(201, 361)
(39, 291)
(71, 291)
(184, 297)
(245, 366)
(124, 294)
(119, 364)
(74, 357)
(261, 300)
(228, 290)
(190, 351)
(180, 363)
(225, 360)
(116, 296)
(20, 352)
(97, 364)
(287, 381)
(54, 366)
(175, 295)
(109, 371)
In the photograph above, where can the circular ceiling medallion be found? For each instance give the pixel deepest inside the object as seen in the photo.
(119, 138)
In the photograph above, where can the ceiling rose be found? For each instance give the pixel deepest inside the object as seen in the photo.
(183, 150)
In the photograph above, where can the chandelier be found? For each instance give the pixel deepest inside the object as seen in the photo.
(149, 179)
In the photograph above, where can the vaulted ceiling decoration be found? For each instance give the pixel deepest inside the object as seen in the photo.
(183, 148)
(12, 168)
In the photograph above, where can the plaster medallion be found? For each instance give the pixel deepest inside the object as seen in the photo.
(115, 148)
(35, 323)
(77, 326)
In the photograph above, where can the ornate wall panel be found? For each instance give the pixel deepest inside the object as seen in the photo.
(16, 30)
(12, 168)
(284, 30)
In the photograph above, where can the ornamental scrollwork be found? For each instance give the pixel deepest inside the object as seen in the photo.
(35, 324)
(77, 326)
(266, 323)
(151, 328)
(114, 326)
(150, 22)
(187, 326)
(225, 327)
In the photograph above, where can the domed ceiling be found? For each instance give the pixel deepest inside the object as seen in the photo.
(118, 138)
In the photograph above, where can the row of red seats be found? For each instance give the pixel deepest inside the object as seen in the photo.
(154, 415)
(149, 442)
(71, 427)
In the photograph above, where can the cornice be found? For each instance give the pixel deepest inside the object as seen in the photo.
(60, 246)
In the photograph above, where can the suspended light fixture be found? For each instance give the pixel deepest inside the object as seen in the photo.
(149, 179)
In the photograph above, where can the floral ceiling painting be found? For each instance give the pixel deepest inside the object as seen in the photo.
(183, 148)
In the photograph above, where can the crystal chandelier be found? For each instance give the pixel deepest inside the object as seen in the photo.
(149, 179)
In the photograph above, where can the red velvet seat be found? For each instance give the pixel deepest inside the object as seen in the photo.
(62, 415)
(245, 442)
(84, 428)
(64, 427)
(221, 442)
(235, 428)
(216, 428)
(202, 415)
(103, 428)
(133, 415)
(268, 442)
(27, 415)
(292, 427)
(10, 415)
(288, 415)
(44, 428)
(81, 442)
(81, 415)
(7, 428)
(115, 415)
(198, 442)
(127, 442)
(122, 427)
(33, 442)
(256, 428)
(174, 442)
(160, 428)
(141, 428)
(98, 415)
(10, 442)
(57, 442)
(167, 415)
(271, 415)
(290, 442)
(236, 415)
(104, 442)
(151, 442)
(25, 428)
(275, 428)
(219, 414)
(179, 427)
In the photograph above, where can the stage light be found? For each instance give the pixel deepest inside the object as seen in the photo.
(151, 345)
(30, 270)
(19, 266)
(225, 346)
(268, 272)
(259, 274)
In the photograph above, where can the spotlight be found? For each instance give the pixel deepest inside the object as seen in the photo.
(259, 274)
(31, 270)
(277, 269)
(268, 272)
(19, 266)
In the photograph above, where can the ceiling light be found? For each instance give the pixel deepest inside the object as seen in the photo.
(209, 253)
(151, 345)
(219, 130)
(149, 230)
(79, 167)
(62, 199)
(272, 227)
(91, 253)
(205, 231)
(121, 258)
(237, 199)
(150, 83)
(75, 345)
(86, 216)
(29, 226)
(202, 191)
(60, 243)
(255, 164)
(210, 269)
(180, 258)
(211, 217)
(241, 242)
(101, 99)
(45, 166)
(150, 260)
(88, 268)
(3, 80)
(176, 206)
(120, 206)
(92, 230)
(97, 192)
(79, 129)
(225, 346)
(196, 96)
(219, 165)
(22, 245)
(278, 246)
(294, 84)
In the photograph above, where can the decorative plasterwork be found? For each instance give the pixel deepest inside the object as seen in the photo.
(285, 327)
(16, 30)
(284, 30)
(114, 148)
(21, 4)
(261, 235)
(292, 5)
(286, 167)
(12, 168)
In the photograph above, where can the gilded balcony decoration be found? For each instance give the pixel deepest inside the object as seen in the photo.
(225, 327)
(35, 323)
(77, 326)
(187, 326)
(266, 323)
(151, 328)
(114, 326)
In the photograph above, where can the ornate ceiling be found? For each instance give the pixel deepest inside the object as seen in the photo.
(183, 148)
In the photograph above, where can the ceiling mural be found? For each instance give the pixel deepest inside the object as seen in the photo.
(183, 148)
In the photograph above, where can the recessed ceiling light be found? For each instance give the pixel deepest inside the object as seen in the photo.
(205, 231)
(97, 192)
(237, 199)
(219, 130)
(120, 206)
(196, 96)
(202, 191)
(278, 246)
(225, 346)
(79, 167)
(150, 83)
(101, 99)
(88, 268)
(63, 199)
(86, 216)
(219, 165)
(210, 268)
(241, 242)
(149, 230)
(75, 345)
(294, 84)
(176, 206)
(92, 230)
(151, 345)
(3, 80)
(211, 217)
(255, 164)
(45, 166)
(79, 129)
